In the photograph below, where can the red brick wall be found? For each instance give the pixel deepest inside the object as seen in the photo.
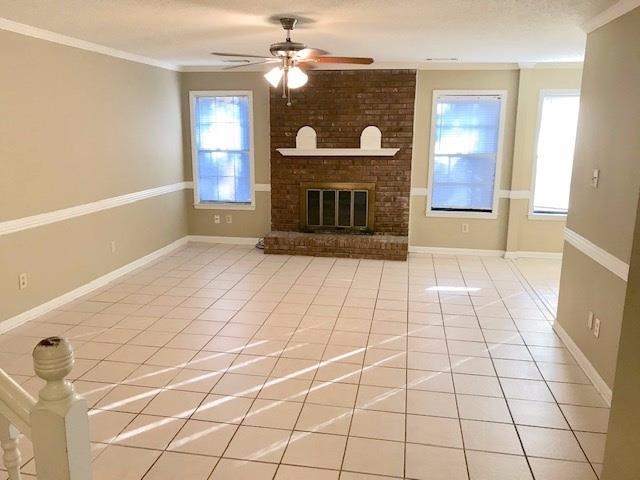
(339, 105)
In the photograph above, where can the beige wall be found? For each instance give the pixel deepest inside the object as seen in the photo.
(512, 230)
(525, 233)
(621, 459)
(447, 232)
(607, 139)
(79, 127)
(245, 223)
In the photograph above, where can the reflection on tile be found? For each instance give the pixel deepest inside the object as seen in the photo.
(217, 361)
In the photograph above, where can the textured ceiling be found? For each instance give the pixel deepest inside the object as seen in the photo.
(183, 32)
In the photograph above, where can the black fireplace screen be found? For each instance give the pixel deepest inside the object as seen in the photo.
(337, 208)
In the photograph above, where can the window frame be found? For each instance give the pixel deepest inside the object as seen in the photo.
(493, 214)
(193, 96)
(531, 213)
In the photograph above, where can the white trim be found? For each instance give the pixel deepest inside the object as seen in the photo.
(34, 32)
(338, 152)
(88, 287)
(519, 194)
(259, 187)
(513, 255)
(548, 217)
(610, 14)
(418, 192)
(33, 221)
(225, 240)
(455, 251)
(434, 65)
(584, 363)
(514, 194)
(502, 94)
(193, 96)
(542, 94)
(591, 250)
(460, 214)
(224, 206)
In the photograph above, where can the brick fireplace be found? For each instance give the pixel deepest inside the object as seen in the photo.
(339, 105)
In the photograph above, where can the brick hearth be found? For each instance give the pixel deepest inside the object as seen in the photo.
(379, 247)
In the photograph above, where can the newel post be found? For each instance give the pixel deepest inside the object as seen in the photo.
(59, 421)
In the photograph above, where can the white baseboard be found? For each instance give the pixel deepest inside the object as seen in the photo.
(530, 254)
(227, 240)
(455, 251)
(88, 287)
(584, 363)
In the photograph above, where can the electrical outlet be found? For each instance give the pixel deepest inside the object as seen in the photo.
(596, 328)
(22, 281)
(595, 178)
(114, 247)
(216, 219)
(590, 321)
(228, 219)
(465, 228)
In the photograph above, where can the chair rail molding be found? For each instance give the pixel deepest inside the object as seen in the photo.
(599, 255)
(33, 221)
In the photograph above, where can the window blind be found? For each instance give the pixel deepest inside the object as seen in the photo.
(222, 139)
(467, 130)
(555, 148)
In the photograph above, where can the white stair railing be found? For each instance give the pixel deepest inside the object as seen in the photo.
(57, 423)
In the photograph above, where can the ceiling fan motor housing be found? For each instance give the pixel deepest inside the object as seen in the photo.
(286, 49)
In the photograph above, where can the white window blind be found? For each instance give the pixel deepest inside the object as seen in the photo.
(555, 148)
(222, 134)
(465, 151)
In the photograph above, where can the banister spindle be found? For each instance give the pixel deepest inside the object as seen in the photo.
(59, 421)
(9, 442)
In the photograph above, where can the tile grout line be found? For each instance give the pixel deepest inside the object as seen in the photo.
(522, 279)
(504, 397)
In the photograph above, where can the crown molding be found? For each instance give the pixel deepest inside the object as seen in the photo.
(610, 14)
(35, 32)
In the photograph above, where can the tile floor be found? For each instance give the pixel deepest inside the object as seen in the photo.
(218, 362)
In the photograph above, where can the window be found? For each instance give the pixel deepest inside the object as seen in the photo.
(554, 151)
(221, 132)
(465, 152)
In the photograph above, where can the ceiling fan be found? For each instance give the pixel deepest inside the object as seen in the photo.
(293, 58)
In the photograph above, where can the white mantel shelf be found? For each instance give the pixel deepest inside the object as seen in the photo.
(338, 152)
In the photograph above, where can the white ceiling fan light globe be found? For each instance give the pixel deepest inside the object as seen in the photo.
(296, 77)
(274, 75)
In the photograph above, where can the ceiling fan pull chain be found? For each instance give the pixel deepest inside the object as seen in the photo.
(285, 82)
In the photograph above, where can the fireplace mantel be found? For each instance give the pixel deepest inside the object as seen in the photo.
(338, 152)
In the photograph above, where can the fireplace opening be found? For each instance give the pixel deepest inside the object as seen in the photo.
(337, 207)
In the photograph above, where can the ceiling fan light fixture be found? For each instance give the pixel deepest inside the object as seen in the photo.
(296, 77)
(274, 76)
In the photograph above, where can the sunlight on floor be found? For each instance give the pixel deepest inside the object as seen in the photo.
(218, 362)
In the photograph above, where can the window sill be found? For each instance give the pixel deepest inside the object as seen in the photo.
(478, 215)
(224, 206)
(554, 217)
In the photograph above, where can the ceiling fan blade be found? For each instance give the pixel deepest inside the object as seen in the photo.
(270, 60)
(240, 55)
(355, 60)
(310, 53)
